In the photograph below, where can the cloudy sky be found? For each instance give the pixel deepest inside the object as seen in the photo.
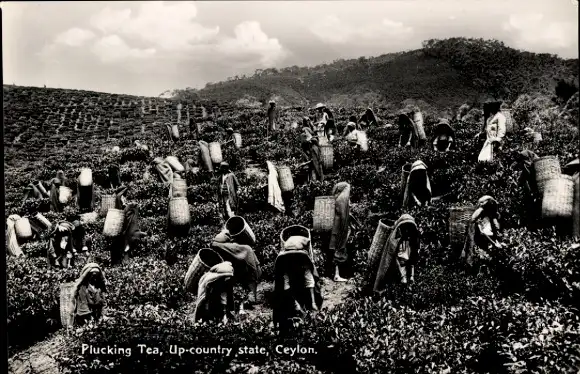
(145, 48)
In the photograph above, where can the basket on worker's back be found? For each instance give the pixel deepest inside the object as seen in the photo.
(67, 304)
(23, 229)
(546, 168)
(324, 211)
(107, 202)
(114, 223)
(558, 200)
(215, 152)
(459, 218)
(179, 212)
(294, 230)
(327, 156)
(377, 245)
(285, 179)
(509, 121)
(204, 260)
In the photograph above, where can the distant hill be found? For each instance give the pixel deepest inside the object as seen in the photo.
(444, 73)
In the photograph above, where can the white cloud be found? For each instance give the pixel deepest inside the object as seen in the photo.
(74, 37)
(113, 49)
(251, 42)
(334, 31)
(533, 30)
(168, 26)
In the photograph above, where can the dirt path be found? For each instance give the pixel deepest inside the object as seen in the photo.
(38, 359)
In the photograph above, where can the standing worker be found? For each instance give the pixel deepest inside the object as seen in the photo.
(272, 116)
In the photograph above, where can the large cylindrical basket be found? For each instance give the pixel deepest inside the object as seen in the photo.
(558, 200)
(324, 211)
(204, 260)
(240, 231)
(179, 212)
(459, 218)
(113, 223)
(285, 179)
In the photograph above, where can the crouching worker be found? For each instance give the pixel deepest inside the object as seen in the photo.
(399, 256)
(61, 253)
(296, 287)
(246, 266)
(82, 300)
(35, 190)
(444, 136)
(418, 187)
(89, 296)
(482, 231)
(215, 297)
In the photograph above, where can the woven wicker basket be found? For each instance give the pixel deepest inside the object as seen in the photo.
(546, 168)
(295, 230)
(215, 152)
(64, 194)
(509, 120)
(405, 171)
(558, 200)
(238, 140)
(175, 164)
(418, 119)
(458, 220)
(376, 249)
(324, 211)
(107, 202)
(86, 177)
(23, 228)
(327, 156)
(179, 212)
(42, 219)
(204, 260)
(240, 231)
(285, 179)
(179, 188)
(67, 304)
(363, 141)
(206, 158)
(114, 223)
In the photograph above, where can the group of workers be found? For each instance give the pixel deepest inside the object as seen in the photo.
(297, 285)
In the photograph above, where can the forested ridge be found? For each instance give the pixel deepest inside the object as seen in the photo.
(444, 73)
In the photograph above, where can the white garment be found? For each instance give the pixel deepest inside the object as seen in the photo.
(496, 127)
(229, 210)
(274, 191)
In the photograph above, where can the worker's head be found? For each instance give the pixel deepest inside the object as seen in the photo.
(224, 167)
(230, 131)
(352, 119)
(320, 107)
(272, 103)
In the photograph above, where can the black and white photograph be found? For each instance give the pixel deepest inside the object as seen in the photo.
(316, 187)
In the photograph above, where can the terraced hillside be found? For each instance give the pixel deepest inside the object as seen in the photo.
(518, 314)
